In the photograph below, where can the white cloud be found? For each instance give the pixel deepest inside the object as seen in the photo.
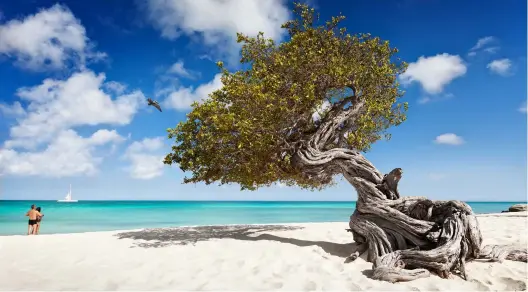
(321, 110)
(179, 69)
(145, 162)
(435, 72)
(522, 108)
(425, 99)
(218, 21)
(12, 110)
(486, 45)
(482, 42)
(169, 79)
(67, 155)
(50, 39)
(501, 66)
(43, 140)
(449, 139)
(182, 98)
(57, 105)
(429, 99)
(491, 50)
(104, 136)
(115, 87)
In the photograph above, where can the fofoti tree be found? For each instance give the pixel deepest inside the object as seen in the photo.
(301, 112)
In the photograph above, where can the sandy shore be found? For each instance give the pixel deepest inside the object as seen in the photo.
(291, 257)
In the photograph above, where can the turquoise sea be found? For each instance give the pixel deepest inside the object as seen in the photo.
(86, 216)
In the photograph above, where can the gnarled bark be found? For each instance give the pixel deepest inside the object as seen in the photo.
(406, 238)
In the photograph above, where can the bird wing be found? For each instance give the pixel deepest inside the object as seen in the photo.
(156, 105)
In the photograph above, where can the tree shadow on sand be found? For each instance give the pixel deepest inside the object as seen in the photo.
(152, 238)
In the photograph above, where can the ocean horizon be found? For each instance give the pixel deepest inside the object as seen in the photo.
(110, 215)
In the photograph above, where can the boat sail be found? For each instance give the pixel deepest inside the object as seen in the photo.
(68, 198)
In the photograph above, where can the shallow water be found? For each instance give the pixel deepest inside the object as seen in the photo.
(86, 216)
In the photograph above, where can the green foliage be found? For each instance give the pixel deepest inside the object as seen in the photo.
(245, 132)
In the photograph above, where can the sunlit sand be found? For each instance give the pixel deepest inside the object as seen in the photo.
(252, 257)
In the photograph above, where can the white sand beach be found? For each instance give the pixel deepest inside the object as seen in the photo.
(294, 257)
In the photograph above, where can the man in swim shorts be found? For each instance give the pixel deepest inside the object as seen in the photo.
(32, 223)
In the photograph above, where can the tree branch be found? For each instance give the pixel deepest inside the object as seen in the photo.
(336, 117)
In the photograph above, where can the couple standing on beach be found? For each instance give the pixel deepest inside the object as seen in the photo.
(34, 220)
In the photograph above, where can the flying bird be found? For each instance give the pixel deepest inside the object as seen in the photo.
(154, 104)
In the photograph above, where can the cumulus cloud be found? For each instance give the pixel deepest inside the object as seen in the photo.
(449, 139)
(43, 140)
(501, 66)
(179, 70)
(66, 155)
(15, 109)
(115, 87)
(183, 97)
(216, 22)
(144, 157)
(434, 73)
(57, 105)
(169, 79)
(50, 39)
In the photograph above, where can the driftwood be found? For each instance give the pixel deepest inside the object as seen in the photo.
(406, 238)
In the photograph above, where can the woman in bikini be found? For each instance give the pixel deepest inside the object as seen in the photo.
(39, 218)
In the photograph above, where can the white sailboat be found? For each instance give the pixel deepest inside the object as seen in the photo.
(68, 198)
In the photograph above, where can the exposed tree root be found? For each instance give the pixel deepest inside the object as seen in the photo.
(405, 238)
(410, 237)
(360, 249)
(498, 253)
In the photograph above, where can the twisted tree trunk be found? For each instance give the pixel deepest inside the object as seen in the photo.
(406, 238)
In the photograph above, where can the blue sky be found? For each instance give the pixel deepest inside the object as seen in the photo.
(74, 76)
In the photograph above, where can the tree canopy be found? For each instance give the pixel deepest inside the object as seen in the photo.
(321, 80)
